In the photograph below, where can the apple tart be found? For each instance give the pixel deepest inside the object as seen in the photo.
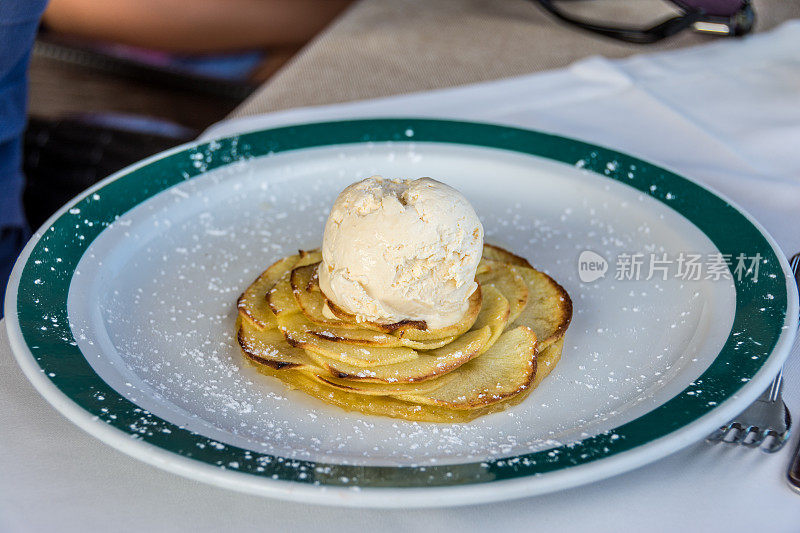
(507, 342)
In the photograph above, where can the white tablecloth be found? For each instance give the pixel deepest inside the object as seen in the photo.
(727, 114)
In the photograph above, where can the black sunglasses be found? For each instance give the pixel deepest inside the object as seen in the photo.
(718, 17)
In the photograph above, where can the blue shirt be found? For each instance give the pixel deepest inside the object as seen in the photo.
(19, 20)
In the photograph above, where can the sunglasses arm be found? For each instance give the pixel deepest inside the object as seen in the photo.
(654, 34)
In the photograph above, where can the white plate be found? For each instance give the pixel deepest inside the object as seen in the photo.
(139, 278)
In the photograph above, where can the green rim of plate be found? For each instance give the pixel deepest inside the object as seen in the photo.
(761, 305)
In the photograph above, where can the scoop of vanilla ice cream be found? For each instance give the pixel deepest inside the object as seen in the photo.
(401, 249)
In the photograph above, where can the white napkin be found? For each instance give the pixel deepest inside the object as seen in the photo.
(726, 114)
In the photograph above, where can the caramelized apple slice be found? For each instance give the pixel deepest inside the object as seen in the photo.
(368, 405)
(494, 315)
(311, 301)
(549, 308)
(269, 347)
(547, 360)
(280, 298)
(305, 288)
(292, 325)
(427, 366)
(385, 389)
(396, 408)
(505, 369)
(505, 278)
(495, 253)
(416, 330)
(252, 304)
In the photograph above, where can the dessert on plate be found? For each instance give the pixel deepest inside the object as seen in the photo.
(405, 312)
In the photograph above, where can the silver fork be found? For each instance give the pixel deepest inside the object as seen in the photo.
(767, 422)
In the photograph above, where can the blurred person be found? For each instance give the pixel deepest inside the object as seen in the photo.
(187, 26)
(18, 22)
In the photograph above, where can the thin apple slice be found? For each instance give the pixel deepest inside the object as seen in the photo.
(432, 363)
(280, 298)
(269, 347)
(427, 366)
(311, 298)
(293, 326)
(549, 309)
(508, 281)
(396, 408)
(459, 328)
(394, 327)
(546, 361)
(252, 304)
(411, 330)
(311, 301)
(360, 337)
(494, 315)
(365, 404)
(298, 332)
(495, 253)
(305, 287)
(505, 369)
(385, 389)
